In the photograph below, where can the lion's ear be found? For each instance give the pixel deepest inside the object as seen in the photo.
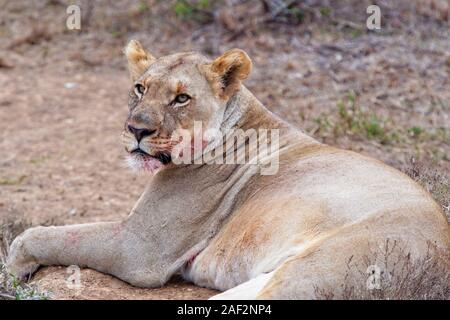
(230, 68)
(138, 59)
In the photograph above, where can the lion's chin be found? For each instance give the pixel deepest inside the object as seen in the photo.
(139, 162)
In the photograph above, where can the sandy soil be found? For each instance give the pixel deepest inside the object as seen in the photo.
(63, 102)
(95, 285)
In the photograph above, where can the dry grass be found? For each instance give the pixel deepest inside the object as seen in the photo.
(400, 276)
(435, 182)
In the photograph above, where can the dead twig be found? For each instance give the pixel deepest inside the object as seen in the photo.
(35, 36)
(270, 16)
(5, 64)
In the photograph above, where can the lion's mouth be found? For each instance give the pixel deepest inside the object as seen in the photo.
(139, 160)
(162, 157)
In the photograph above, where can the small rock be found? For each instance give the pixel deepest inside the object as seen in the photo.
(70, 85)
(5, 64)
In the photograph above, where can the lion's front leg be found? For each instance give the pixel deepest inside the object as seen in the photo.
(107, 247)
(83, 245)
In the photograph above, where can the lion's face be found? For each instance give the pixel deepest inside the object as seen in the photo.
(171, 93)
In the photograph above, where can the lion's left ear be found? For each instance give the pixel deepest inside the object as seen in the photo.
(138, 59)
(231, 68)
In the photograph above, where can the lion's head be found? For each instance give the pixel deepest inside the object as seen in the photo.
(170, 93)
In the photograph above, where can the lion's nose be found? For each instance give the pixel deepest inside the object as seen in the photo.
(140, 133)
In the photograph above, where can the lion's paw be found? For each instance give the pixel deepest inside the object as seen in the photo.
(19, 262)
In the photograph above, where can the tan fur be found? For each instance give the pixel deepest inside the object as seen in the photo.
(138, 59)
(234, 65)
(253, 236)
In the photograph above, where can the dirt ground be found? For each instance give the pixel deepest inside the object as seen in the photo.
(63, 97)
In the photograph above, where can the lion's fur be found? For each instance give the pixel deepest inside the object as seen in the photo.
(256, 236)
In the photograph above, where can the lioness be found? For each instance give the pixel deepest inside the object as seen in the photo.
(227, 226)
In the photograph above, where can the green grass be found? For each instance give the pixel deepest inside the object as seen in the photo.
(143, 6)
(325, 11)
(10, 287)
(415, 131)
(7, 181)
(39, 159)
(353, 120)
(200, 11)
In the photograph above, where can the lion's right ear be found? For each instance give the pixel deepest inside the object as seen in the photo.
(230, 69)
(138, 59)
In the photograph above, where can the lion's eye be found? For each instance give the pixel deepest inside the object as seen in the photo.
(181, 98)
(139, 89)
